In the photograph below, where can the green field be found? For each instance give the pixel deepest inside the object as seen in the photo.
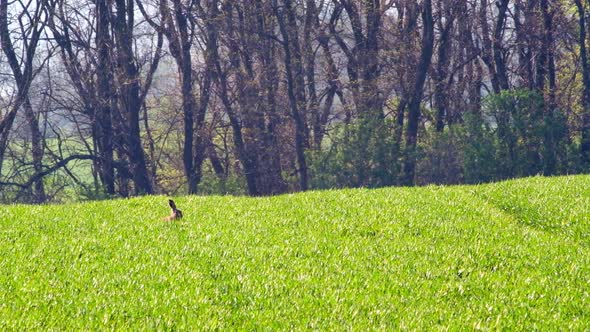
(513, 255)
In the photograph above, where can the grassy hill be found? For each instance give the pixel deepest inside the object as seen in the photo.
(512, 255)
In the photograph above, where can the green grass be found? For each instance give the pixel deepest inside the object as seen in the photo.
(513, 255)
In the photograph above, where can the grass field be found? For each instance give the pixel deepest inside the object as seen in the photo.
(513, 255)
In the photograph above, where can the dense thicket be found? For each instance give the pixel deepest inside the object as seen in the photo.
(112, 98)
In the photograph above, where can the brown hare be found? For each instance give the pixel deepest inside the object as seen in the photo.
(176, 213)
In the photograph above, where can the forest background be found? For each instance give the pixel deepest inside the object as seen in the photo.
(115, 98)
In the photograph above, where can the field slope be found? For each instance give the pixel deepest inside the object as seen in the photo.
(512, 255)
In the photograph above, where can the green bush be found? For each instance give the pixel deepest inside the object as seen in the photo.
(361, 154)
(514, 137)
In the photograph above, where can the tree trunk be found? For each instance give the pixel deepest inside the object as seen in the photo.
(489, 47)
(440, 77)
(311, 23)
(585, 127)
(497, 44)
(333, 89)
(37, 151)
(549, 151)
(103, 117)
(180, 48)
(245, 158)
(130, 95)
(409, 167)
(200, 153)
(295, 85)
(524, 40)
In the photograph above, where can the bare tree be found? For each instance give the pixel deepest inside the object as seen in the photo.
(24, 71)
(295, 82)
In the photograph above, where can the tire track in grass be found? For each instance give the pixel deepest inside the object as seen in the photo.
(439, 250)
(549, 269)
(558, 205)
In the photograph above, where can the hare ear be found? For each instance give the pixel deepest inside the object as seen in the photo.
(172, 205)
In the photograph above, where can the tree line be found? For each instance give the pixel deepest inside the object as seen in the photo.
(107, 98)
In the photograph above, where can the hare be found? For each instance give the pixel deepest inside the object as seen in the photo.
(176, 213)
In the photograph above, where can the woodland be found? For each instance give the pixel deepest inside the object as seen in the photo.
(116, 98)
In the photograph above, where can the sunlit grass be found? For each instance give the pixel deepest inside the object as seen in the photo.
(512, 255)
